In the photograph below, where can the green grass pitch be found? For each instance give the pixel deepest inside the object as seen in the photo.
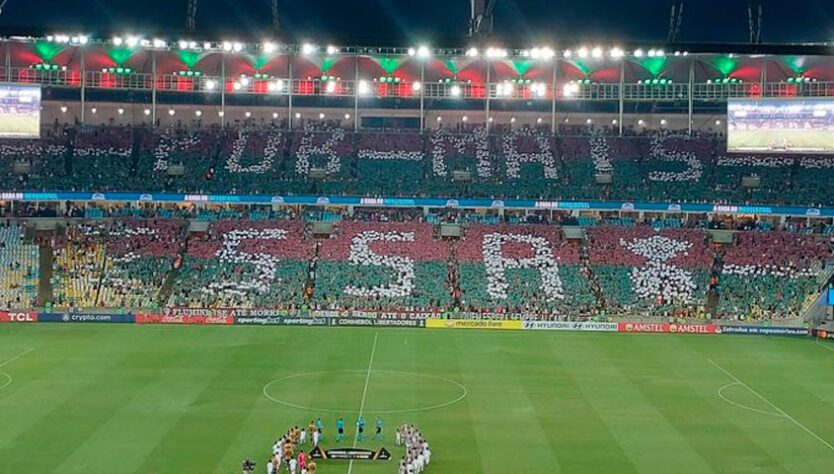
(156, 399)
(22, 125)
(798, 139)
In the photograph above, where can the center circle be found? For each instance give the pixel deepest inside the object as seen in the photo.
(7, 382)
(400, 392)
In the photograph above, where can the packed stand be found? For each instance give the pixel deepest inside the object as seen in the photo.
(140, 254)
(522, 268)
(245, 264)
(644, 269)
(462, 162)
(382, 265)
(771, 274)
(114, 264)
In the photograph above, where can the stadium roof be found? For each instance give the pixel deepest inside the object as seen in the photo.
(597, 62)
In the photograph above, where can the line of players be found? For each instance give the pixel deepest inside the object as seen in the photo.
(283, 451)
(417, 453)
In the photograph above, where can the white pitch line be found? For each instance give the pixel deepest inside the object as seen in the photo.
(781, 411)
(9, 361)
(364, 396)
(745, 407)
(824, 345)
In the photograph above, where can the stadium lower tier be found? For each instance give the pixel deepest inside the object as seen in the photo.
(133, 264)
(523, 163)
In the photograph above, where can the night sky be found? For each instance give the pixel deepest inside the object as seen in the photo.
(440, 22)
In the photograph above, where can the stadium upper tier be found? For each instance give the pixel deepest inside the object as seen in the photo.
(464, 162)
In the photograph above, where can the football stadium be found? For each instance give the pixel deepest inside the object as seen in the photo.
(264, 253)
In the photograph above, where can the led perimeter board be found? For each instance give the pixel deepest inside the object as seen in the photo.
(20, 111)
(780, 126)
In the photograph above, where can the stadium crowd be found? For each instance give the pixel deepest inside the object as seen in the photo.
(139, 255)
(395, 260)
(252, 158)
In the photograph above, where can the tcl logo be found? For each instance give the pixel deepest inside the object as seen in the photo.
(22, 317)
(18, 317)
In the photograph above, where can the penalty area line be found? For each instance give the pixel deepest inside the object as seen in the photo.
(364, 395)
(9, 361)
(772, 405)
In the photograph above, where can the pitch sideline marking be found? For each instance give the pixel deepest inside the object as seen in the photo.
(8, 382)
(9, 361)
(824, 346)
(739, 405)
(463, 389)
(364, 396)
(781, 411)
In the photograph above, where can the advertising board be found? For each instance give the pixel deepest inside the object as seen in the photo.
(674, 328)
(569, 326)
(472, 324)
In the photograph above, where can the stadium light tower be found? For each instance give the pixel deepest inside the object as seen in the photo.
(191, 16)
(276, 24)
(754, 17)
(675, 21)
(481, 20)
